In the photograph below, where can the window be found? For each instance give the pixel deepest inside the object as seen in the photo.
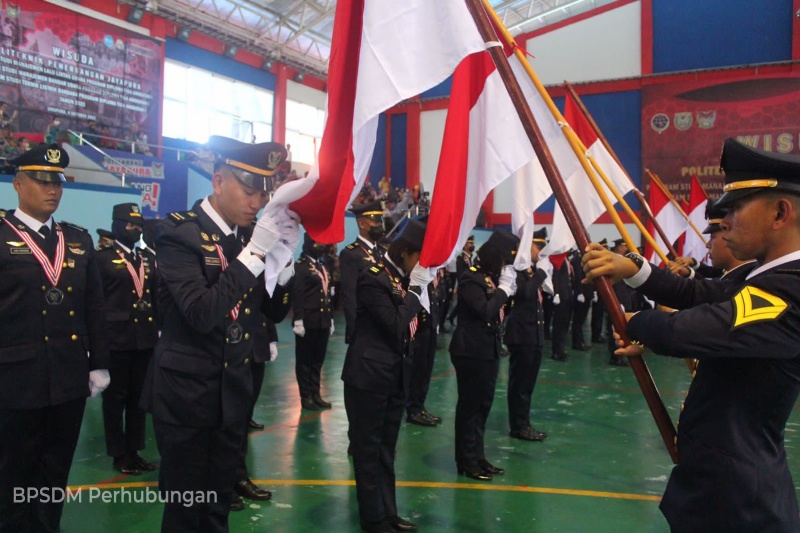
(198, 103)
(304, 126)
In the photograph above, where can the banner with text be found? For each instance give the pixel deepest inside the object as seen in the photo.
(685, 124)
(56, 63)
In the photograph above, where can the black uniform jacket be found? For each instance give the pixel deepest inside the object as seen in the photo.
(198, 378)
(132, 324)
(733, 474)
(525, 325)
(312, 302)
(479, 303)
(354, 259)
(374, 360)
(47, 351)
(665, 288)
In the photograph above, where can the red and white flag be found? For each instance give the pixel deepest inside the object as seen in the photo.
(484, 144)
(669, 218)
(695, 245)
(587, 201)
(382, 52)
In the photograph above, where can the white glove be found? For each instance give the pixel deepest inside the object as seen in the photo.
(508, 280)
(581, 298)
(98, 381)
(333, 328)
(421, 277)
(299, 329)
(594, 297)
(273, 351)
(286, 275)
(333, 292)
(265, 235)
(556, 299)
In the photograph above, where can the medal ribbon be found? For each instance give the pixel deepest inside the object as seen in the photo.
(53, 272)
(412, 327)
(224, 264)
(138, 280)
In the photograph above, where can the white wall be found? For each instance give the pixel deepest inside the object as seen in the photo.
(305, 94)
(606, 46)
(430, 139)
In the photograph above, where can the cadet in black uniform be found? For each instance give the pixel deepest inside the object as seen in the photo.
(563, 281)
(419, 366)
(475, 348)
(128, 275)
(733, 473)
(581, 303)
(524, 337)
(598, 312)
(51, 316)
(631, 301)
(463, 262)
(388, 302)
(312, 322)
(359, 255)
(211, 292)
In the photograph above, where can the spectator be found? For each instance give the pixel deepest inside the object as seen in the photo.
(51, 134)
(106, 139)
(5, 118)
(91, 133)
(384, 186)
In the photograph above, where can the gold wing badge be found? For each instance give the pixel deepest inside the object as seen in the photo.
(755, 305)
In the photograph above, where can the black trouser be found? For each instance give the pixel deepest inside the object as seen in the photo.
(374, 419)
(598, 312)
(123, 419)
(562, 313)
(523, 369)
(36, 450)
(476, 380)
(418, 369)
(197, 460)
(450, 285)
(258, 381)
(310, 352)
(580, 312)
(547, 313)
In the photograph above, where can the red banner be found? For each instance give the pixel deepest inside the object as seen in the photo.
(685, 124)
(54, 62)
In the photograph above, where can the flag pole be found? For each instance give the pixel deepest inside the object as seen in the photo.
(637, 192)
(642, 373)
(586, 160)
(674, 202)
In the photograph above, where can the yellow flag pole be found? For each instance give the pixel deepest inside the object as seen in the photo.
(587, 162)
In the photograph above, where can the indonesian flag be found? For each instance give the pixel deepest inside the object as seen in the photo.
(669, 218)
(382, 52)
(586, 199)
(485, 144)
(694, 245)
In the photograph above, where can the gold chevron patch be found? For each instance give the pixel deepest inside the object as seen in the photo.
(755, 305)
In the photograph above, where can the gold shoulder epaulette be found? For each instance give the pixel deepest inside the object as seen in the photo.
(375, 269)
(352, 245)
(73, 226)
(2, 214)
(183, 216)
(473, 269)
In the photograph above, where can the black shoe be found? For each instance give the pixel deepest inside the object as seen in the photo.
(560, 357)
(126, 466)
(247, 489)
(420, 419)
(599, 340)
(435, 418)
(581, 347)
(398, 524)
(141, 464)
(309, 403)
(237, 503)
(529, 433)
(255, 425)
(475, 472)
(320, 402)
(376, 527)
(489, 468)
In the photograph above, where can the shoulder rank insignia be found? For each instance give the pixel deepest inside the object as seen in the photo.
(473, 269)
(2, 214)
(352, 245)
(73, 226)
(754, 305)
(375, 269)
(182, 216)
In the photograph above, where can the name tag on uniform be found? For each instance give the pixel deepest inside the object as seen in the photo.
(21, 251)
(213, 261)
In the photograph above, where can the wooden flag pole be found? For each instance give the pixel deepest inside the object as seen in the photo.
(534, 134)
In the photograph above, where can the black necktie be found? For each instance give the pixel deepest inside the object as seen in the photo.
(45, 231)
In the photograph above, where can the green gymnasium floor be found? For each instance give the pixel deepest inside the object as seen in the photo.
(603, 467)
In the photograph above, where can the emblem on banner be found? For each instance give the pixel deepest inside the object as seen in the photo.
(706, 119)
(659, 122)
(683, 121)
